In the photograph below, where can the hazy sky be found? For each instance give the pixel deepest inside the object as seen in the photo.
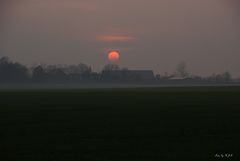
(150, 34)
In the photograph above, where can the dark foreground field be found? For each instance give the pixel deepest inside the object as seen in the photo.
(148, 124)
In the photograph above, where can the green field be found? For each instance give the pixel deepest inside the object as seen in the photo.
(142, 124)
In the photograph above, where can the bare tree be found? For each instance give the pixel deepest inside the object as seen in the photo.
(227, 76)
(181, 70)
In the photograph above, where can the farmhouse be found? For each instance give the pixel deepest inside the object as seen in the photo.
(128, 75)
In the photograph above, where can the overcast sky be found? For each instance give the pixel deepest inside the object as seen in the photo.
(149, 34)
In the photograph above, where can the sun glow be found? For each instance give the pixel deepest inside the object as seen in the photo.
(113, 56)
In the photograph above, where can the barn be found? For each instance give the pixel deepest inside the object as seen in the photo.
(128, 75)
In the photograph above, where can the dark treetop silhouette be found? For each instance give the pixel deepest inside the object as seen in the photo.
(13, 72)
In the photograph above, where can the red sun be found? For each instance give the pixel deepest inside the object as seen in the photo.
(113, 56)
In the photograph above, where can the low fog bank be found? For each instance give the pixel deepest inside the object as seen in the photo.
(106, 86)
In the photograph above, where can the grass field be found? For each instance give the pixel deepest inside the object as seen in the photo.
(144, 124)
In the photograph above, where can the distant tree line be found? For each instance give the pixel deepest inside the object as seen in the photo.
(183, 75)
(14, 72)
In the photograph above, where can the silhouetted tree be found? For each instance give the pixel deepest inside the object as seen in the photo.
(39, 74)
(12, 71)
(158, 77)
(77, 69)
(55, 74)
(221, 78)
(111, 67)
(181, 70)
(80, 72)
(226, 76)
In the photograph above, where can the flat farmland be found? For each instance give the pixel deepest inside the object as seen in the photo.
(128, 124)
